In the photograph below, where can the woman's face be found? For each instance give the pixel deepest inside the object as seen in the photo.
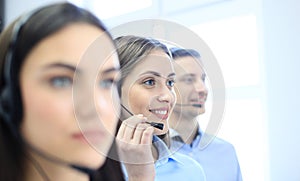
(148, 89)
(74, 123)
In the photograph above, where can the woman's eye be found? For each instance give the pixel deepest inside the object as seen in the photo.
(61, 82)
(149, 82)
(170, 83)
(107, 83)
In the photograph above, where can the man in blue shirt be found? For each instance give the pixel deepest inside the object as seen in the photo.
(218, 158)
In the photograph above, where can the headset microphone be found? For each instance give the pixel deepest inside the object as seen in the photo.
(193, 105)
(155, 125)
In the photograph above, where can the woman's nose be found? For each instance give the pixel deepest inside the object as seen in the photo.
(166, 95)
(84, 100)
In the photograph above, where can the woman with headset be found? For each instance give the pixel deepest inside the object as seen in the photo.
(59, 104)
(147, 99)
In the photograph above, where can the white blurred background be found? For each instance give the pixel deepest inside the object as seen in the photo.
(257, 45)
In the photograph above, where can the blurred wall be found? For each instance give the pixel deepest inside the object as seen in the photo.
(281, 30)
(14, 8)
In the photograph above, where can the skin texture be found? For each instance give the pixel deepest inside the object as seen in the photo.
(50, 123)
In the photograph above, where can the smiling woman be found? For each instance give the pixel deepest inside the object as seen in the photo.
(155, 75)
(141, 83)
(146, 89)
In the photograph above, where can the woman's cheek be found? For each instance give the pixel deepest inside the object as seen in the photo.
(108, 111)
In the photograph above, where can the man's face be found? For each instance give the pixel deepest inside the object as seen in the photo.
(190, 87)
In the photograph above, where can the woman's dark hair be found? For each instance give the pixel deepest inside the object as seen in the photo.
(180, 52)
(16, 42)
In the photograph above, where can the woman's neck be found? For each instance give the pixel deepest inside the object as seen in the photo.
(40, 169)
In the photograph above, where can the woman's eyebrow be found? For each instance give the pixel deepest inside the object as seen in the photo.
(62, 65)
(152, 72)
(172, 74)
(76, 69)
(109, 70)
(157, 74)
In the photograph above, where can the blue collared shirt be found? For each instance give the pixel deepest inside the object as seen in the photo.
(218, 159)
(174, 166)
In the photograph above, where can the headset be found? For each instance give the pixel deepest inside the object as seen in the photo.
(7, 91)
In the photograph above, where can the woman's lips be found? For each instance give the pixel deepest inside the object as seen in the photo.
(161, 113)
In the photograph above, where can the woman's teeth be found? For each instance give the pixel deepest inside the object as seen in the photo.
(163, 112)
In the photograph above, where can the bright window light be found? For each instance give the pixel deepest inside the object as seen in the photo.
(111, 8)
(245, 130)
(234, 43)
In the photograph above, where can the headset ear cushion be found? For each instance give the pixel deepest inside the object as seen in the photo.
(5, 108)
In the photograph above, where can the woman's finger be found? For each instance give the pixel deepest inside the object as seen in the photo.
(138, 133)
(147, 136)
(129, 127)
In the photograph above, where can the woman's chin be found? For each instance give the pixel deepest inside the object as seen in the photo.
(98, 164)
(92, 162)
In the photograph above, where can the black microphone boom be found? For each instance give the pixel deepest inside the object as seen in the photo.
(193, 105)
(155, 125)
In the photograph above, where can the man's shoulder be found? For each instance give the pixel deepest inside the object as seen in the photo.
(185, 160)
(189, 165)
(219, 142)
(216, 142)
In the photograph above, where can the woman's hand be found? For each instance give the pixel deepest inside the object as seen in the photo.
(134, 140)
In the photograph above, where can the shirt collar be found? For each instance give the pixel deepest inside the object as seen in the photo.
(178, 142)
(164, 153)
(176, 136)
